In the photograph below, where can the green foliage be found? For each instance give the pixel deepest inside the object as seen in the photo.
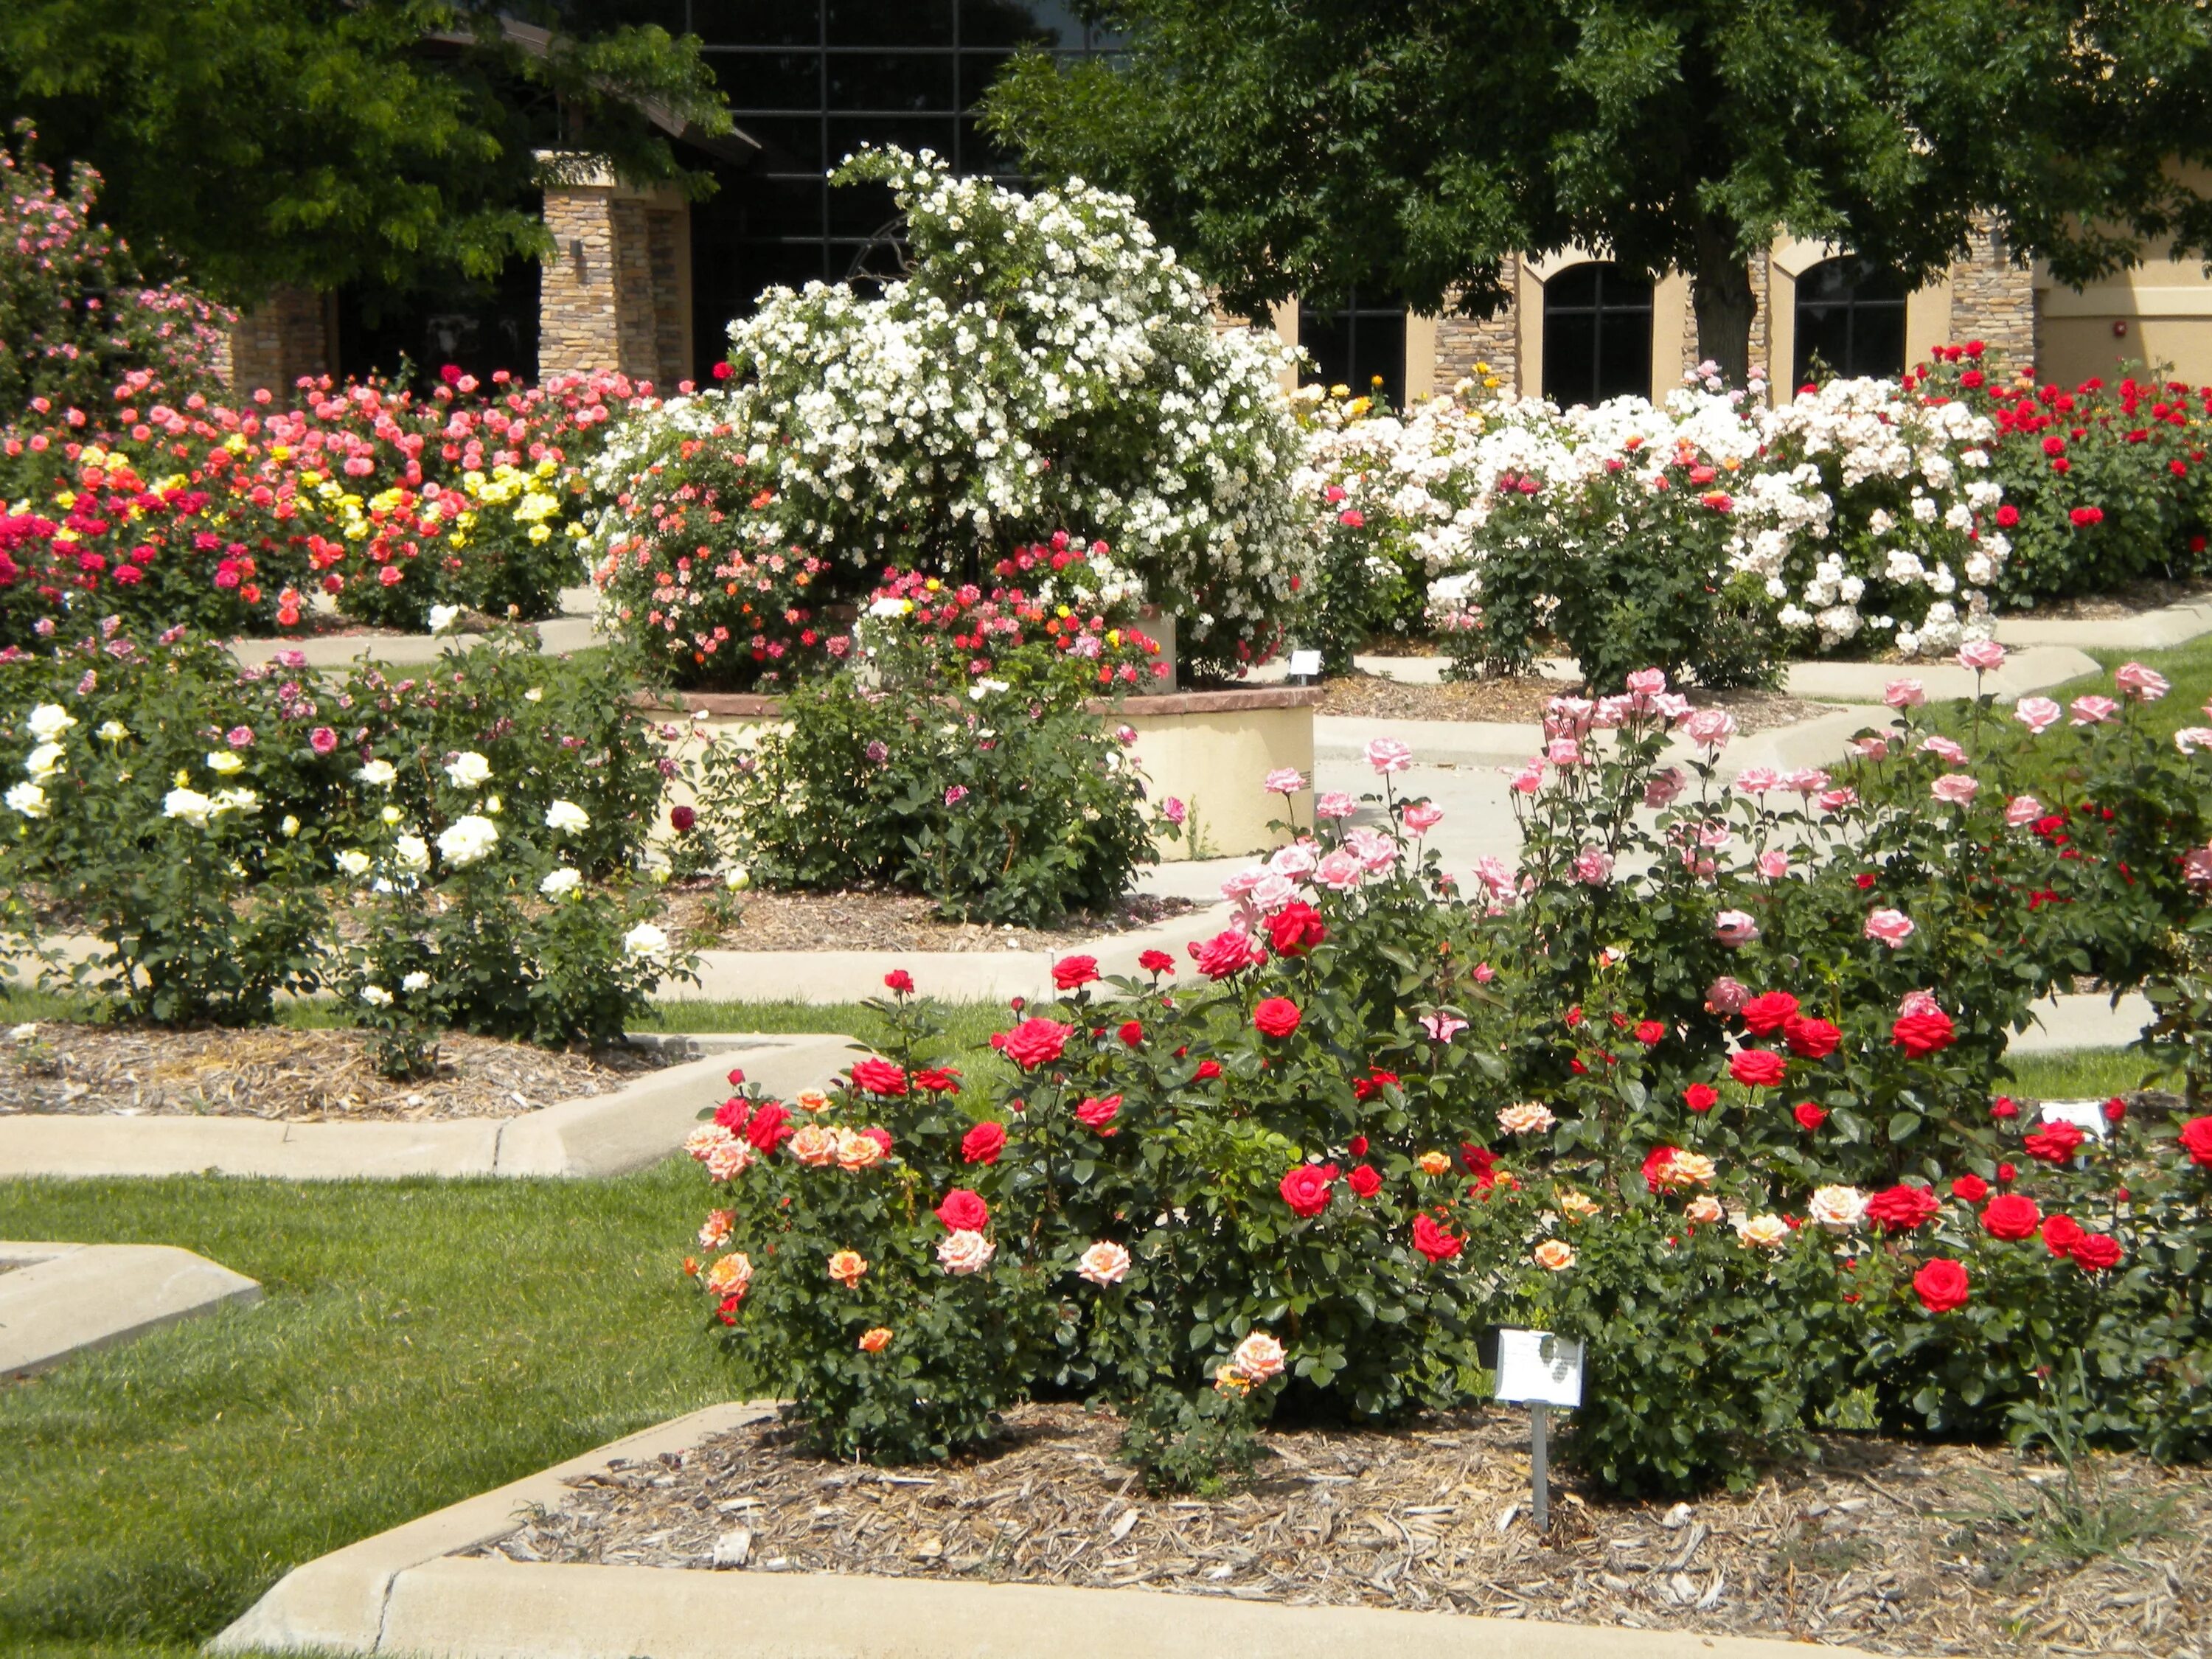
(1202, 1444)
(1680, 138)
(328, 145)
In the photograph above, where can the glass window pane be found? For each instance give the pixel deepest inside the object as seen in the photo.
(1010, 23)
(890, 22)
(756, 22)
(1327, 338)
(1878, 341)
(977, 70)
(790, 143)
(1623, 355)
(1379, 352)
(767, 80)
(861, 209)
(892, 80)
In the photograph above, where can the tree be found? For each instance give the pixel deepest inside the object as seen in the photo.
(1291, 146)
(380, 144)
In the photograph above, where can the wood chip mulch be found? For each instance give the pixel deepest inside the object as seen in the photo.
(1520, 701)
(1864, 1549)
(293, 1076)
(863, 919)
(2130, 600)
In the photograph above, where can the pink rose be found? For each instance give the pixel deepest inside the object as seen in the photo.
(1296, 860)
(1422, 817)
(1284, 780)
(1528, 780)
(1757, 779)
(2197, 867)
(2190, 738)
(1774, 866)
(1272, 892)
(1104, 1263)
(1647, 682)
(1711, 728)
(1442, 1028)
(1665, 786)
(1726, 996)
(1564, 752)
(1173, 810)
(2143, 684)
(1340, 871)
(2093, 711)
(1593, 866)
(1905, 694)
(1954, 788)
(1835, 800)
(1376, 851)
(965, 1253)
(1335, 805)
(1806, 780)
(1892, 927)
(2022, 810)
(2038, 715)
(1735, 927)
(1388, 754)
(1943, 749)
(1873, 748)
(322, 741)
(1981, 655)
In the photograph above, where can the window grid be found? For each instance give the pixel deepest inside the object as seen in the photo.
(1601, 347)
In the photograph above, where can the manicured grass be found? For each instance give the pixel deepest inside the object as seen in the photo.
(420, 1342)
(2084, 1074)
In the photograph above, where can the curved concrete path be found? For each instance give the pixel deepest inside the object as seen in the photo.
(58, 1300)
(406, 1591)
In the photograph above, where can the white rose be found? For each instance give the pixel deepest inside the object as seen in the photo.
(413, 853)
(417, 981)
(655, 866)
(737, 879)
(380, 773)
(187, 804)
(467, 840)
(467, 769)
(567, 817)
(114, 730)
(1104, 1263)
(560, 883)
(352, 863)
(237, 800)
(45, 760)
(28, 800)
(1838, 1209)
(48, 720)
(290, 826)
(536, 694)
(965, 1253)
(376, 996)
(645, 940)
(443, 617)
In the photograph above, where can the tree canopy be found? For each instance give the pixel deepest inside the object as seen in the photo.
(1410, 146)
(378, 144)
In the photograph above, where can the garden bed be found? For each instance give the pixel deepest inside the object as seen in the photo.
(865, 919)
(1878, 1546)
(276, 1072)
(1520, 700)
(2132, 599)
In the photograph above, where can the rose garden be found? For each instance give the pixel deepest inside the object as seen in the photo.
(814, 887)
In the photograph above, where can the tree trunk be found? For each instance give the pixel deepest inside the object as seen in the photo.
(1721, 296)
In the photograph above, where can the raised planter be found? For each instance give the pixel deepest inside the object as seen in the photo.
(1207, 749)
(57, 1300)
(606, 1134)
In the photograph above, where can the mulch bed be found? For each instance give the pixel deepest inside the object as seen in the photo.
(293, 1076)
(1520, 700)
(2130, 600)
(865, 919)
(1865, 1548)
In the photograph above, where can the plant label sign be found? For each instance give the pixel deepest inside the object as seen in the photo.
(1536, 1367)
(2087, 1115)
(1304, 664)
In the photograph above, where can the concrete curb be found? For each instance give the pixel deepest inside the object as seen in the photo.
(65, 1299)
(556, 636)
(2152, 630)
(2028, 669)
(597, 1136)
(404, 1592)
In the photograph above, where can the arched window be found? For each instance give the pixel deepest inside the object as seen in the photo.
(1597, 335)
(1851, 321)
(1355, 342)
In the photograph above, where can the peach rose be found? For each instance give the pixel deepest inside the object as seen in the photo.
(1578, 1207)
(876, 1340)
(965, 1253)
(815, 1146)
(1705, 1209)
(848, 1267)
(1555, 1254)
(1104, 1263)
(1528, 1118)
(716, 1231)
(730, 1274)
(700, 1144)
(1258, 1358)
(1686, 1169)
(1434, 1163)
(1766, 1231)
(810, 1101)
(856, 1150)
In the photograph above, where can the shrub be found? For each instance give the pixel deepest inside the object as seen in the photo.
(1707, 1081)
(1042, 363)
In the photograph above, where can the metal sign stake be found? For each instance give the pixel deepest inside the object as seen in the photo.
(1540, 1471)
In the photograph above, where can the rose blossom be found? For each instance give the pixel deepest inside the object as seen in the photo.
(1838, 1209)
(1669, 1168)
(1528, 1117)
(2038, 715)
(1711, 728)
(848, 1267)
(1442, 1027)
(1388, 754)
(965, 1253)
(858, 1151)
(1284, 780)
(1306, 1189)
(1594, 867)
(1437, 1243)
(1954, 788)
(1757, 779)
(1942, 1285)
(1335, 805)
(2093, 711)
(1945, 749)
(731, 1275)
(1554, 1253)
(2195, 1139)
(1705, 1209)
(1258, 1359)
(876, 1338)
(1437, 1163)
(1757, 1068)
(1664, 786)
(1339, 870)
(1981, 655)
(1892, 927)
(714, 1232)
(983, 1143)
(2022, 811)
(1873, 748)
(1104, 1263)
(2191, 738)
(1735, 927)
(1905, 694)
(815, 1146)
(1811, 1039)
(1766, 1231)
(2143, 684)
(1276, 1016)
(2014, 1216)
(1272, 892)
(1421, 817)
(1034, 1042)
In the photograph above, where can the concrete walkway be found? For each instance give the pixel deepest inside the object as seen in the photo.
(58, 1300)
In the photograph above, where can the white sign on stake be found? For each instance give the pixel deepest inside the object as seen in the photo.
(1304, 664)
(1539, 1369)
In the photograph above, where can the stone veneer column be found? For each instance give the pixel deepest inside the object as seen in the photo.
(616, 292)
(1464, 342)
(1993, 299)
(289, 336)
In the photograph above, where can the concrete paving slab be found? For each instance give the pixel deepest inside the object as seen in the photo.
(58, 1300)
(405, 1592)
(556, 635)
(2151, 630)
(599, 1135)
(2026, 672)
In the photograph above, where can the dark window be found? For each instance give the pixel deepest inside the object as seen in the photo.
(1358, 344)
(1850, 322)
(815, 80)
(1597, 335)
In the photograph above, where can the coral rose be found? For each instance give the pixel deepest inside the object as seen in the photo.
(860, 1149)
(875, 1341)
(1554, 1253)
(1705, 1209)
(1306, 1190)
(1277, 1017)
(1434, 1163)
(731, 1275)
(1104, 1263)
(1940, 1284)
(1757, 1068)
(848, 1267)
(965, 1252)
(964, 1211)
(983, 1144)
(2014, 1216)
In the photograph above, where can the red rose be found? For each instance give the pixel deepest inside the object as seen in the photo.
(1654, 1161)
(1296, 928)
(983, 1144)
(1901, 1208)
(2013, 1216)
(2007, 516)
(881, 1137)
(1757, 1068)
(2116, 1110)
(1970, 1188)
(2055, 1143)
(939, 1080)
(1701, 1097)
(2005, 1173)
(2096, 1253)
(769, 1126)
(1940, 1284)
(1364, 1180)
(1277, 1017)
(1434, 1242)
(1306, 1189)
(1157, 962)
(2197, 1141)
(1207, 1071)
(1923, 1034)
(1811, 1039)
(2060, 1234)
(1098, 1112)
(1649, 1031)
(899, 981)
(1478, 1160)
(1034, 1042)
(1809, 1117)
(1375, 1080)
(964, 1211)
(1357, 1146)
(732, 1112)
(878, 1077)
(1228, 951)
(737, 1075)
(1765, 1015)
(681, 818)
(1069, 972)
(1132, 1033)
(2004, 1107)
